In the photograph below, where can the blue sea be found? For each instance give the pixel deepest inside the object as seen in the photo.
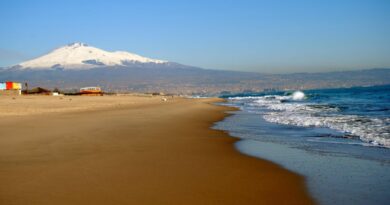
(338, 139)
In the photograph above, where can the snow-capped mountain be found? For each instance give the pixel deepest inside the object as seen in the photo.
(80, 56)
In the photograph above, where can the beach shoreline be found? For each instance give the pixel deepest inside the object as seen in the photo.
(132, 150)
(304, 136)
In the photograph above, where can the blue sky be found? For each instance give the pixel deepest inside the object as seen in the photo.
(272, 36)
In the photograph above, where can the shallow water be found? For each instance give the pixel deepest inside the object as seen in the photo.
(341, 167)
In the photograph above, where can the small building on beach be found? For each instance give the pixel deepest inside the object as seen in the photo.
(3, 86)
(37, 91)
(91, 91)
(10, 88)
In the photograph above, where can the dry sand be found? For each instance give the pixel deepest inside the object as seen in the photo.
(130, 150)
(39, 104)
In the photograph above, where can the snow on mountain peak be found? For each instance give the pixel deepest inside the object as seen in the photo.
(77, 44)
(82, 56)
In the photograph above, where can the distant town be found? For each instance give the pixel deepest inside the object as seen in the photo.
(187, 81)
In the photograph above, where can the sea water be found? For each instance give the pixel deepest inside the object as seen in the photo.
(338, 139)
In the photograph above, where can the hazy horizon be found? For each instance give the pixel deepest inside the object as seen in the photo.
(259, 36)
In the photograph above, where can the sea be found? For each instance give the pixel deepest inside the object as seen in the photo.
(338, 139)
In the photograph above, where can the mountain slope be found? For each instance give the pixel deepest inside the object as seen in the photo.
(78, 65)
(81, 56)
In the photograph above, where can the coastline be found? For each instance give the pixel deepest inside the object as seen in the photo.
(148, 152)
(317, 153)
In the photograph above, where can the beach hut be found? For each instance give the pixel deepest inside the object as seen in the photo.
(10, 88)
(8, 85)
(16, 86)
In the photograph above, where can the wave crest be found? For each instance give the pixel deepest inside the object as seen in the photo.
(280, 109)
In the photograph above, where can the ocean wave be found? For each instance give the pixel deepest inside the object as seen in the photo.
(283, 110)
(371, 130)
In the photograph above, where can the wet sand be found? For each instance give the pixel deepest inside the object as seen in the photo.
(131, 150)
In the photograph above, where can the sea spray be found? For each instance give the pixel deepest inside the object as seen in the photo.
(298, 95)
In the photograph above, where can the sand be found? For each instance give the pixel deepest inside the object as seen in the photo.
(40, 104)
(130, 150)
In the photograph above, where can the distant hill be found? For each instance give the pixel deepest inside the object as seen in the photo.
(78, 65)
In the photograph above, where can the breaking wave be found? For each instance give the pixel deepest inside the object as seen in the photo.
(290, 110)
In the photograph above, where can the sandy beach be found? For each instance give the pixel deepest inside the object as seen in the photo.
(130, 150)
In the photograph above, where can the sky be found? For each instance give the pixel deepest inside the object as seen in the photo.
(268, 36)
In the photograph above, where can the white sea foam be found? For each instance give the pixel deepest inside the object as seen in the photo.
(298, 95)
(369, 129)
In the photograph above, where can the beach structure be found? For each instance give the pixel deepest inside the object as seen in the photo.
(91, 91)
(37, 91)
(10, 88)
(9, 85)
(2, 86)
